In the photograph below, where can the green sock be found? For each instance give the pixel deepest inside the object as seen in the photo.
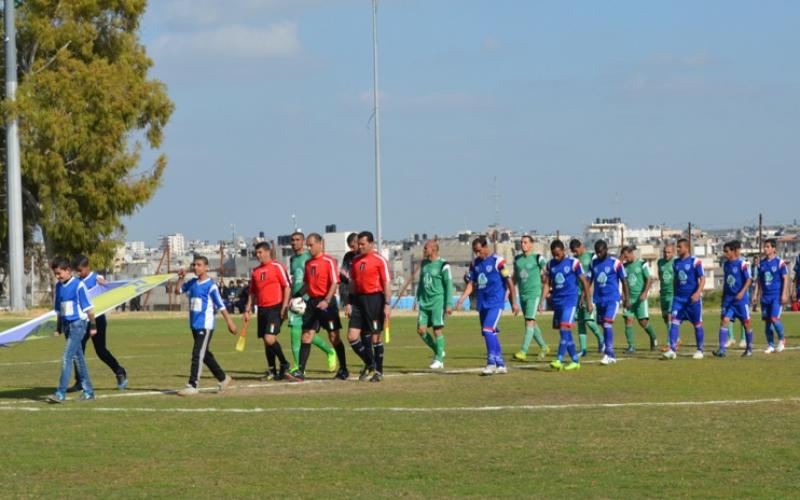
(650, 331)
(596, 330)
(526, 340)
(582, 340)
(317, 341)
(297, 333)
(429, 341)
(742, 331)
(629, 335)
(440, 347)
(537, 336)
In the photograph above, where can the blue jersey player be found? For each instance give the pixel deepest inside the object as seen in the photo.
(607, 274)
(489, 276)
(797, 279)
(773, 290)
(735, 303)
(687, 305)
(561, 286)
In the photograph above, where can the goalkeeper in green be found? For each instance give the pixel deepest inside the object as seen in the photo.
(528, 269)
(434, 300)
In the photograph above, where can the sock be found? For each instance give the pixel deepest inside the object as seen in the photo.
(562, 345)
(650, 331)
(570, 345)
(674, 334)
(489, 353)
(379, 357)
(526, 340)
(296, 334)
(279, 352)
(723, 338)
(270, 357)
(582, 341)
(305, 350)
(440, 347)
(608, 331)
(629, 335)
(582, 326)
(748, 335)
(340, 355)
(770, 335)
(370, 353)
(778, 325)
(429, 341)
(361, 350)
(596, 330)
(497, 351)
(317, 341)
(699, 336)
(537, 336)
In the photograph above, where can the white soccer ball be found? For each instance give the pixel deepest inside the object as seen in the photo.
(297, 305)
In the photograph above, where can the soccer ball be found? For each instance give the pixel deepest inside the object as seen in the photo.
(297, 305)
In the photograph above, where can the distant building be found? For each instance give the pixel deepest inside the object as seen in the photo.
(175, 242)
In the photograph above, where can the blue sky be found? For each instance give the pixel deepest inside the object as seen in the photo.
(669, 111)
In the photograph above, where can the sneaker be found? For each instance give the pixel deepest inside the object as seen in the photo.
(270, 375)
(747, 353)
(608, 360)
(630, 350)
(719, 353)
(366, 373)
(297, 376)
(56, 397)
(743, 344)
(731, 343)
(376, 377)
(342, 374)
(75, 388)
(520, 356)
(698, 355)
(501, 370)
(283, 371)
(188, 391)
(224, 384)
(573, 366)
(653, 344)
(122, 379)
(436, 365)
(584, 352)
(670, 354)
(665, 347)
(332, 362)
(557, 365)
(543, 352)
(781, 345)
(489, 370)
(769, 350)
(86, 396)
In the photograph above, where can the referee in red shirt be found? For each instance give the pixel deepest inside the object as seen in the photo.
(320, 281)
(270, 291)
(369, 306)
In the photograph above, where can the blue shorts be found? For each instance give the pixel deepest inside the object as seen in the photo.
(683, 309)
(771, 308)
(564, 314)
(607, 311)
(489, 318)
(734, 310)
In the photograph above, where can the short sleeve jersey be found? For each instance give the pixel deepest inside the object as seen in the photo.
(204, 301)
(371, 274)
(297, 268)
(606, 276)
(770, 277)
(267, 283)
(638, 273)
(688, 272)
(666, 276)
(489, 276)
(564, 278)
(319, 274)
(72, 300)
(528, 274)
(736, 273)
(435, 287)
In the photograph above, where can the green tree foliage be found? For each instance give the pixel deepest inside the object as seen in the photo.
(86, 108)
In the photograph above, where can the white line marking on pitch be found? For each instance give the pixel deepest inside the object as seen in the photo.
(401, 409)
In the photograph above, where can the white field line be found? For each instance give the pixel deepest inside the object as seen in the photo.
(88, 407)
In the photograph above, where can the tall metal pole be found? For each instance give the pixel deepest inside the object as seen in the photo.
(375, 104)
(16, 270)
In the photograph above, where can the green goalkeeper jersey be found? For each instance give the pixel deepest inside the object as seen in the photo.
(297, 268)
(435, 287)
(528, 274)
(638, 272)
(666, 276)
(586, 263)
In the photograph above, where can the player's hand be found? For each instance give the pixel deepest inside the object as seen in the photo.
(181, 273)
(323, 304)
(448, 311)
(642, 297)
(414, 306)
(541, 306)
(284, 311)
(696, 297)
(246, 316)
(459, 303)
(590, 307)
(92, 331)
(101, 280)
(784, 299)
(56, 333)
(387, 311)
(347, 309)
(515, 309)
(231, 328)
(740, 295)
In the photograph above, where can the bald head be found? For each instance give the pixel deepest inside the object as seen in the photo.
(431, 249)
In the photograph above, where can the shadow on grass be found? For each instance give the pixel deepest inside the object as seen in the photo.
(27, 393)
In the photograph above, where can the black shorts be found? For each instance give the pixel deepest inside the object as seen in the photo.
(315, 318)
(269, 320)
(366, 313)
(344, 294)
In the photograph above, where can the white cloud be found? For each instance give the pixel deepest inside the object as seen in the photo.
(277, 41)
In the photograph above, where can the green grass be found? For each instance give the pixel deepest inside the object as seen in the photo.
(354, 446)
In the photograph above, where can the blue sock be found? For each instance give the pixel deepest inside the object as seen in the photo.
(674, 334)
(497, 351)
(699, 336)
(488, 341)
(608, 330)
(748, 335)
(567, 334)
(779, 328)
(770, 335)
(562, 346)
(723, 338)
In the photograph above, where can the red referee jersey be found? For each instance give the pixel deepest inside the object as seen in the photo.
(321, 272)
(267, 283)
(370, 273)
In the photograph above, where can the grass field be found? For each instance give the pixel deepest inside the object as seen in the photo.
(643, 428)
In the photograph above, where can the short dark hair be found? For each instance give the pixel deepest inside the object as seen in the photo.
(480, 240)
(352, 237)
(556, 244)
(60, 263)
(771, 242)
(201, 258)
(574, 244)
(80, 261)
(600, 245)
(262, 244)
(628, 249)
(527, 237)
(366, 234)
(298, 233)
(315, 237)
(682, 241)
(737, 245)
(729, 245)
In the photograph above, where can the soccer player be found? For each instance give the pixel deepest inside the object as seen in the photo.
(75, 320)
(639, 282)
(666, 282)
(91, 279)
(796, 296)
(297, 266)
(528, 270)
(369, 306)
(434, 300)
(773, 290)
(204, 301)
(607, 274)
(735, 303)
(561, 286)
(270, 291)
(320, 282)
(344, 269)
(585, 317)
(687, 304)
(489, 274)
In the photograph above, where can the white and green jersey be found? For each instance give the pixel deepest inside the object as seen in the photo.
(435, 289)
(638, 272)
(528, 274)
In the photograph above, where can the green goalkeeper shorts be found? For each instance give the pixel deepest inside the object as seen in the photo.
(530, 306)
(639, 309)
(432, 317)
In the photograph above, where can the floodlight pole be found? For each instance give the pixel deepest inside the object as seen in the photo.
(375, 103)
(16, 271)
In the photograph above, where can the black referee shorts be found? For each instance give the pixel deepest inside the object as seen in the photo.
(315, 318)
(366, 312)
(269, 320)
